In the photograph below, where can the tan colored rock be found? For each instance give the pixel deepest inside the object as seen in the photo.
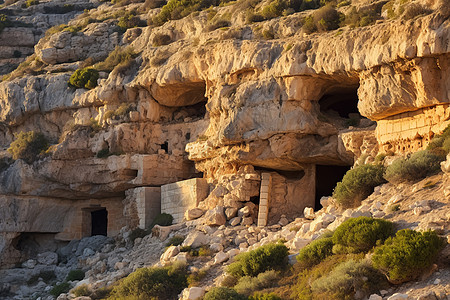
(215, 217)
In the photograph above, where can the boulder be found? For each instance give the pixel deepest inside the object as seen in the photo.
(215, 217)
(196, 239)
(231, 212)
(308, 213)
(193, 213)
(220, 257)
(235, 221)
(168, 254)
(398, 296)
(193, 293)
(47, 258)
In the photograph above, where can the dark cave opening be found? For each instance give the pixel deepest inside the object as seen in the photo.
(99, 219)
(327, 177)
(165, 146)
(255, 200)
(344, 102)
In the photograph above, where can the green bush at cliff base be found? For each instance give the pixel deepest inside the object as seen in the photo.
(357, 184)
(315, 252)
(223, 293)
(76, 274)
(28, 145)
(259, 296)
(361, 234)
(415, 167)
(440, 144)
(152, 283)
(347, 278)
(405, 256)
(84, 78)
(264, 258)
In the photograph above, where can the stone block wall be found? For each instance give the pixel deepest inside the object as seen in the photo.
(180, 196)
(148, 204)
(412, 131)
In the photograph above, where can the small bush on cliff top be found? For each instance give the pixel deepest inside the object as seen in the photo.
(361, 234)
(28, 145)
(324, 19)
(152, 283)
(119, 56)
(357, 184)
(84, 78)
(405, 256)
(417, 166)
(264, 258)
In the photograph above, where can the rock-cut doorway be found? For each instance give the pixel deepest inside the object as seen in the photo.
(99, 222)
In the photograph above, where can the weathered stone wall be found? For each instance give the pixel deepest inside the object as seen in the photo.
(141, 206)
(180, 196)
(412, 131)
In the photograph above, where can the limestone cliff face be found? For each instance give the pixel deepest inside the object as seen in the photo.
(225, 105)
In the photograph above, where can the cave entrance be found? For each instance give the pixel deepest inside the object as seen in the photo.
(326, 179)
(99, 222)
(341, 101)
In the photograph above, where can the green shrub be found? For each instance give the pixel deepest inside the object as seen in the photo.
(247, 285)
(440, 144)
(315, 252)
(47, 277)
(4, 22)
(361, 234)
(138, 233)
(223, 293)
(302, 289)
(176, 9)
(360, 18)
(161, 39)
(324, 19)
(264, 258)
(31, 3)
(175, 240)
(152, 283)
(60, 288)
(405, 256)
(84, 78)
(204, 251)
(357, 184)
(76, 274)
(119, 56)
(347, 278)
(28, 146)
(162, 220)
(129, 20)
(259, 296)
(82, 290)
(415, 167)
(196, 277)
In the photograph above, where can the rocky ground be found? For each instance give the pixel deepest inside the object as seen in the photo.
(421, 206)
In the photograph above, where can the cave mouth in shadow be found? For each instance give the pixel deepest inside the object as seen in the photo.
(341, 101)
(327, 176)
(99, 222)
